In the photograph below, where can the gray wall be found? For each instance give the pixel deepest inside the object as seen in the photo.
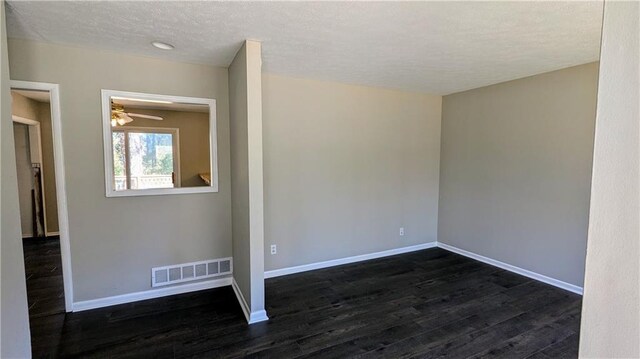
(245, 99)
(345, 167)
(14, 319)
(240, 172)
(611, 303)
(115, 241)
(516, 169)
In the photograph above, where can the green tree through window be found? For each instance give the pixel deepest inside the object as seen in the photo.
(144, 158)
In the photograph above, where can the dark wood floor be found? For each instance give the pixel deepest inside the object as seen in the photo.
(427, 304)
(43, 268)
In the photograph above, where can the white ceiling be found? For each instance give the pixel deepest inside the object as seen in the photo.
(435, 47)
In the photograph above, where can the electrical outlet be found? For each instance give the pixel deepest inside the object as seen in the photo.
(274, 249)
(401, 231)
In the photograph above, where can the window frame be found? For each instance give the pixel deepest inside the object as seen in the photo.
(108, 145)
(126, 130)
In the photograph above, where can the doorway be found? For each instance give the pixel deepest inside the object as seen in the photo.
(42, 197)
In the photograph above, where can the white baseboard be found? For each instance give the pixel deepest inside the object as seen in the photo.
(511, 268)
(347, 260)
(258, 316)
(252, 317)
(261, 315)
(149, 294)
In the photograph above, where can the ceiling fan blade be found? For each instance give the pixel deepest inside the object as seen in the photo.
(149, 117)
(122, 119)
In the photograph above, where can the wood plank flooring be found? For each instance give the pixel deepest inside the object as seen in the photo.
(43, 269)
(425, 304)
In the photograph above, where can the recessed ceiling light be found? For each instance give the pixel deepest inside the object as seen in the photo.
(162, 45)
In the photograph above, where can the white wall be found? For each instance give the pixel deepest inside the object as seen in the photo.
(516, 168)
(611, 304)
(14, 318)
(116, 241)
(245, 99)
(345, 167)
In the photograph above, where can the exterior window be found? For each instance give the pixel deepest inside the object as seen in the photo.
(145, 158)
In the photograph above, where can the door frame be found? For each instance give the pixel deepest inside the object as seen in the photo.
(61, 188)
(36, 134)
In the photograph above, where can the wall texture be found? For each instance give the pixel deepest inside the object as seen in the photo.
(245, 99)
(611, 304)
(41, 112)
(115, 241)
(14, 318)
(516, 168)
(345, 167)
(193, 137)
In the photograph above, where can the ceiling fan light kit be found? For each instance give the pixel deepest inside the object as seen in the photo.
(120, 118)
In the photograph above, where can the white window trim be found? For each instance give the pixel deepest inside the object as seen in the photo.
(176, 150)
(108, 145)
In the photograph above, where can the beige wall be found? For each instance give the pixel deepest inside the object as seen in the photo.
(14, 318)
(245, 100)
(115, 241)
(194, 140)
(24, 173)
(345, 167)
(24, 107)
(516, 169)
(48, 167)
(611, 304)
(41, 112)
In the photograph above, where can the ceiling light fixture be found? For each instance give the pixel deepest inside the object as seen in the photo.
(162, 45)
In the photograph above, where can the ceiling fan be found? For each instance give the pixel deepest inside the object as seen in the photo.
(119, 117)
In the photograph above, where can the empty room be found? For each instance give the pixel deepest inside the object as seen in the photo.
(320, 179)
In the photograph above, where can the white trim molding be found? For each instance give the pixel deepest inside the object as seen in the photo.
(511, 268)
(261, 315)
(35, 149)
(24, 120)
(149, 294)
(108, 144)
(347, 260)
(61, 187)
(252, 317)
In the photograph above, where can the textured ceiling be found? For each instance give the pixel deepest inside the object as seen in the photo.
(436, 47)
